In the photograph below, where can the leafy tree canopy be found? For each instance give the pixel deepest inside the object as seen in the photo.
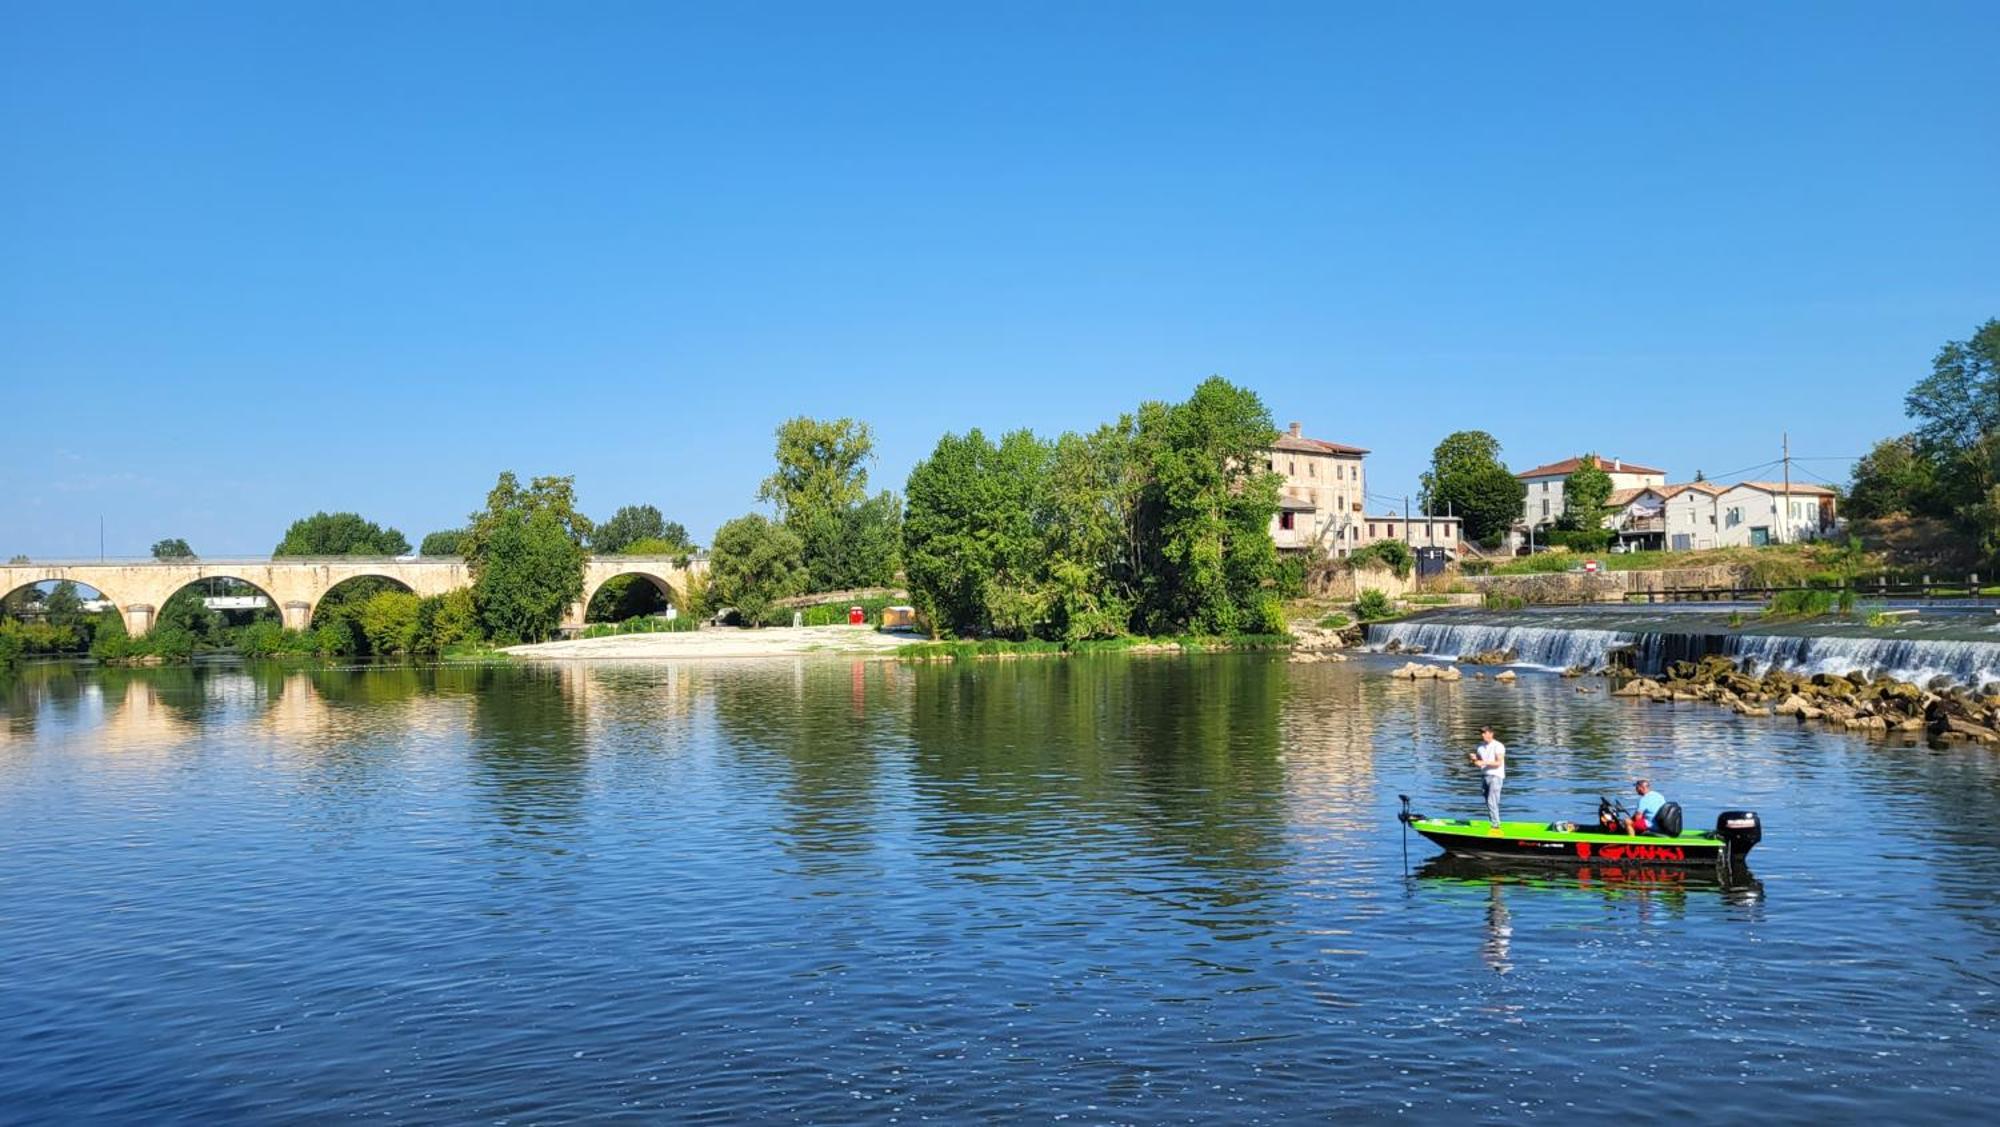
(754, 563)
(553, 495)
(340, 534)
(530, 571)
(172, 549)
(1960, 401)
(635, 523)
(1586, 492)
(446, 542)
(822, 466)
(1896, 476)
(1467, 478)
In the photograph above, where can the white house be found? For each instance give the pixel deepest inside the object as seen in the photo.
(1756, 513)
(1544, 501)
(1417, 530)
(1320, 500)
(1691, 520)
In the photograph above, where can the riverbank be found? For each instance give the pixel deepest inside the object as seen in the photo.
(719, 642)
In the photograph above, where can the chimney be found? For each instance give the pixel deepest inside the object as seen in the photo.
(1295, 430)
(1617, 463)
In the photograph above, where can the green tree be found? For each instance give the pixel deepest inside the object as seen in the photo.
(340, 534)
(446, 542)
(528, 573)
(1586, 492)
(635, 523)
(968, 529)
(1085, 510)
(1960, 401)
(753, 564)
(173, 549)
(1205, 514)
(62, 606)
(553, 495)
(1897, 476)
(389, 622)
(526, 553)
(1467, 478)
(821, 479)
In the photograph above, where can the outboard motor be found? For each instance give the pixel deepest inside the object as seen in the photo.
(1668, 824)
(1741, 830)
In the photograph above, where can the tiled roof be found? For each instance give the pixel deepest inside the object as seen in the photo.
(1569, 465)
(1622, 497)
(1315, 446)
(1779, 487)
(1708, 487)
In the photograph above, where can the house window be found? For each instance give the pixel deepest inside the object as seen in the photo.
(1371, 530)
(1292, 468)
(1545, 504)
(1285, 521)
(1312, 469)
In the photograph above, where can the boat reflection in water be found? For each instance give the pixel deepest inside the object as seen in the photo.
(1664, 886)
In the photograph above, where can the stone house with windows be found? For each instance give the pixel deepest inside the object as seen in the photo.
(1319, 501)
(1748, 514)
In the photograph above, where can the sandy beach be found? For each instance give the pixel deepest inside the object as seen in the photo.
(720, 642)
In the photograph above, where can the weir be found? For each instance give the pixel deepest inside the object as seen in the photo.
(1963, 648)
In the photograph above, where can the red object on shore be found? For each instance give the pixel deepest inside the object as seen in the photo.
(1590, 566)
(856, 616)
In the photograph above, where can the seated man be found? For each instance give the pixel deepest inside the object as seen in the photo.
(1650, 802)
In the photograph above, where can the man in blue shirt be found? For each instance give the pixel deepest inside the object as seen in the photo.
(1650, 802)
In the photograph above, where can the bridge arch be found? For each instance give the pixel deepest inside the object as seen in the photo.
(630, 594)
(364, 584)
(224, 601)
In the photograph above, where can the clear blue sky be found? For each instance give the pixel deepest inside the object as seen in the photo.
(261, 259)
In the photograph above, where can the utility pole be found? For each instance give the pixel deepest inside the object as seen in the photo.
(1785, 524)
(100, 538)
(1406, 520)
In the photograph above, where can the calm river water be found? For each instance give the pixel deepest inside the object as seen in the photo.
(1101, 890)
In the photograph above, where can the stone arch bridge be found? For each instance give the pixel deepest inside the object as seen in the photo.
(296, 584)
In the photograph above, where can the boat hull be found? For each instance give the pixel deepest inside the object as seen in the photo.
(1534, 841)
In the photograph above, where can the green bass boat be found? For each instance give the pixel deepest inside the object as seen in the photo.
(1736, 832)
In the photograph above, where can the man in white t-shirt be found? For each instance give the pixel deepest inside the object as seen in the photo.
(1491, 759)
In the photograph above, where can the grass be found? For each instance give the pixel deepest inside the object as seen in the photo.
(1037, 647)
(1776, 565)
(1334, 622)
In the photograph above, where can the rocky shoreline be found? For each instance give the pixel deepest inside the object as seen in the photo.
(1855, 701)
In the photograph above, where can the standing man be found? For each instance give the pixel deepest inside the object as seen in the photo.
(1491, 759)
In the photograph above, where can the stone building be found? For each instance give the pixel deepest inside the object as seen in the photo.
(1320, 500)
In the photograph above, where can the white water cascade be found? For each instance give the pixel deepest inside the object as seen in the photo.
(1916, 660)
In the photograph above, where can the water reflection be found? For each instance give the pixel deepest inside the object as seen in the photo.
(1111, 888)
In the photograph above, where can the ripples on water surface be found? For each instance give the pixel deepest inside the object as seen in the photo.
(1117, 890)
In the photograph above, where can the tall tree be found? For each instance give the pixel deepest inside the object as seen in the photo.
(553, 495)
(1206, 507)
(968, 527)
(173, 549)
(822, 477)
(752, 565)
(340, 534)
(1586, 491)
(445, 542)
(1897, 476)
(1468, 479)
(1960, 400)
(526, 553)
(634, 523)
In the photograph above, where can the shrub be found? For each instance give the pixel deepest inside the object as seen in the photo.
(1393, 554)
(1799, 604)
(1334, 622)
(1585, 540)
(1373, 604)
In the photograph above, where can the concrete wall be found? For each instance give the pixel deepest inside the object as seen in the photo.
(296, 586)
